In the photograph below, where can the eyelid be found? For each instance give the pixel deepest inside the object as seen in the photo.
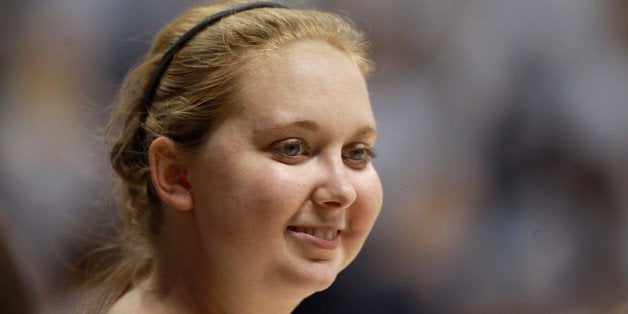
(276, 149)
(370, 152)
(292, 140)
(360, 145)
(361, 163)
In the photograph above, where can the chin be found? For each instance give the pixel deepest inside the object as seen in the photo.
(313, 277)
(323, 283)
(321, 278)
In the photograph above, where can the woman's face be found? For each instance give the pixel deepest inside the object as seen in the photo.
(284, 190)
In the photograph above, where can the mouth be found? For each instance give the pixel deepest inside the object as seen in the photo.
(325, 234)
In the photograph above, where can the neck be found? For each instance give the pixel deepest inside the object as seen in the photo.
(186, 280)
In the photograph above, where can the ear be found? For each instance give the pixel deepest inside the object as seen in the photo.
(168, 176)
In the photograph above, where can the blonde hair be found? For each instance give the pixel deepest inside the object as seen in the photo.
(199, 87)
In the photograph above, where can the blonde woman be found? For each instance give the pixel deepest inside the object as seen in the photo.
(244, 144)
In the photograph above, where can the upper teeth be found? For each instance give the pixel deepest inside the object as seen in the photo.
(319, 233)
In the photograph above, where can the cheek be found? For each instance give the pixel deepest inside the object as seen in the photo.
(368, 202)
(270, 189)
(362, 214)
(245, 200)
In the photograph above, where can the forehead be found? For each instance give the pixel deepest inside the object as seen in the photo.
(306, 78)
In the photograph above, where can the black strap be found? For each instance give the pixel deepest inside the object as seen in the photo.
(165, 61)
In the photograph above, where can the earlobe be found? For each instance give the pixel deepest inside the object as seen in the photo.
(169, 178)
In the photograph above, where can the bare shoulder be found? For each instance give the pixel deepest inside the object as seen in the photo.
(138, 300)
(130, 302)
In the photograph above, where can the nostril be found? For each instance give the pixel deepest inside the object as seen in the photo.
(333, 204)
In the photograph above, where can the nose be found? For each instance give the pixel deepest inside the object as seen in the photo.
(335, 189)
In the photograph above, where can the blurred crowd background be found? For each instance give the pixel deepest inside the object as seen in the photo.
(503, 150)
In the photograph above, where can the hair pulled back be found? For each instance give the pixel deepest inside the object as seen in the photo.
(200, 87)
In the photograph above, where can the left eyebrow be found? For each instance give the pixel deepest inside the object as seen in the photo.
(367, 130)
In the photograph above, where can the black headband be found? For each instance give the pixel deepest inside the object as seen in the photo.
(165, 61)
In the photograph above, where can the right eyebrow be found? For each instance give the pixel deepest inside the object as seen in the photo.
(301, 124)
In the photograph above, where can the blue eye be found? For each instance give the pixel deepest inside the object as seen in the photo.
(290, 148)
(359, 157)
(357, 154)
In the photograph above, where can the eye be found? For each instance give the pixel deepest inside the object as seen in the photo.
(292, 150)
(359, 156)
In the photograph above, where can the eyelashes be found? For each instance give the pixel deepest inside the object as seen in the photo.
(360, 153)
(295, 150)
(292, 147)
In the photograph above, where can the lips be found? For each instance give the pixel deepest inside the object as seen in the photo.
(321, 233)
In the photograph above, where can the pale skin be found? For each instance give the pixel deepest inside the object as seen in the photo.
(282, 197)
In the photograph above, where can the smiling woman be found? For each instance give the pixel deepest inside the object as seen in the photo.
(244, 151)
